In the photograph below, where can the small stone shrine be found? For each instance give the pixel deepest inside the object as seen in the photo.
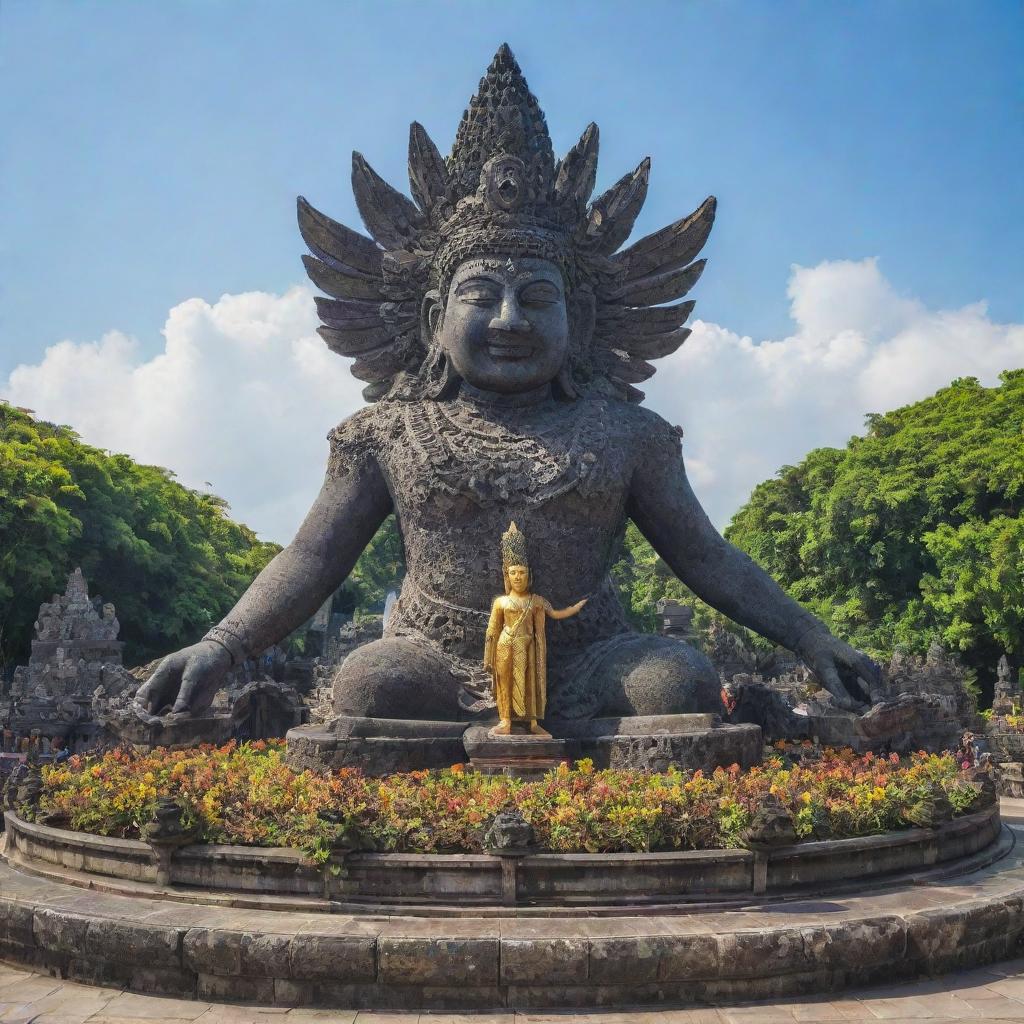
(75, 651)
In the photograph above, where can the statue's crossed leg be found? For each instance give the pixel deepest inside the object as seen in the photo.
(643, 675)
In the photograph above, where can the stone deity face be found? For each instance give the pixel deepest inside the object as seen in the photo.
(504, 325)
(519, 579)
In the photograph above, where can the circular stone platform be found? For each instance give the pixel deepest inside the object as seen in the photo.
(212, 949)
(446, 885)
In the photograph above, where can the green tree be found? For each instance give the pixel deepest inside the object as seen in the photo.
(913, 532)
(381, 567)
(170, 558)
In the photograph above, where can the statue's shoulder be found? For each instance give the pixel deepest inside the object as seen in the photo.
(362, 435)
(645, 430)
(366, 426)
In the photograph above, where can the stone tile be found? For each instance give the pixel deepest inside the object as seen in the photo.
(381, 1017)
(224, 1014)
(9, 973)
(25, 990)
(132, 1005)
(468, 1018)
(73, 1000)
(437, 961)
(992, 1006)
(217, 989)
(303, 1016)
(904, 1008)
(544, 961)
(757, 1015)
(336, 958)
(106, 1019)
(693, 1016)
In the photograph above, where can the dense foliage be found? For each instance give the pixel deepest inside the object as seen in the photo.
(248, 795)
(380, 568)
(912, 533)
(168, 557)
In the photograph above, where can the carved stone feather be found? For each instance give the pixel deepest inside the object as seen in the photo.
(349, 314)
(337, 280)
(392, 219)
(348, 247)
(672, 246)
(648, 291)
(646, 319)
(356, 342)
(428, 174)
(577, 172)
(613, 214)
(654, 346)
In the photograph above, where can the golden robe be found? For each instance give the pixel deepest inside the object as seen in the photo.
(516, 653)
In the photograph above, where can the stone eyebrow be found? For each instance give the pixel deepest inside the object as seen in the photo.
(476, 278)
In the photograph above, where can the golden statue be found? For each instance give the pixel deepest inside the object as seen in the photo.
(516, 649)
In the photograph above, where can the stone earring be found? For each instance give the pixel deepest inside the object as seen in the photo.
(439, 379)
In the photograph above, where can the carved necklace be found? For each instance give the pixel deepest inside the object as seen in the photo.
(494, 455)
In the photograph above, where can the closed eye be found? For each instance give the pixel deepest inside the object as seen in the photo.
(478, 292)
(539, 293)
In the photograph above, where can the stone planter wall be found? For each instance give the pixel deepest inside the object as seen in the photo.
(455, 883)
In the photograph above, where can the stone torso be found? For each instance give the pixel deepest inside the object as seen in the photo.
(460, 471)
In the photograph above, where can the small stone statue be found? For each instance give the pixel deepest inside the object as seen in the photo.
(772, 826)
(515, 651)
(166, 832)
(509, 831)
(167, 824)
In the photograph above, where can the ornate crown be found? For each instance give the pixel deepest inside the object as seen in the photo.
(501, 192)
(513, 547)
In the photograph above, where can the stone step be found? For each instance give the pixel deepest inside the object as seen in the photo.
(404, 962)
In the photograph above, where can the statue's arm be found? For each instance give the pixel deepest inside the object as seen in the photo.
(664, 507)
(342, 521)
(493, 629)
(353, 501)
(564, 613)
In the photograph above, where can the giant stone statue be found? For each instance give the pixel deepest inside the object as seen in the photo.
(501, 327)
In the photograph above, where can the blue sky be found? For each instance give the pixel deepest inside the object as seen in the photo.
(153, 151)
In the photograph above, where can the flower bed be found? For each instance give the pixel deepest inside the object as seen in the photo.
(247, 795)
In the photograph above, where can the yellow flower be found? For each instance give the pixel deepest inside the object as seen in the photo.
(805, 796)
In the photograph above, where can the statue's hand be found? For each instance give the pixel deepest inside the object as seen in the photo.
(579, 604)
(186, 679)
(850, 676)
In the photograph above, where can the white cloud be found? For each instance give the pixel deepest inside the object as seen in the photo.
(244, 390)
(749, 408)
(242, 397)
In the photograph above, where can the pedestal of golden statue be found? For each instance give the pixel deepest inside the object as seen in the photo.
(521, 754)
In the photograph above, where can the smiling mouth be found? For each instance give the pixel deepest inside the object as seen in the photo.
(510, 350)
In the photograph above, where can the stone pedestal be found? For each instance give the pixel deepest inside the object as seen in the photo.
(378, 746)
(522, 756)
(648, 743)
(654, 742)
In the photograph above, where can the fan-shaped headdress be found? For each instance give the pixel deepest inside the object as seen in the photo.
(501, 192)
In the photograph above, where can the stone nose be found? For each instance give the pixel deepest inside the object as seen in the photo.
(510, 318)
